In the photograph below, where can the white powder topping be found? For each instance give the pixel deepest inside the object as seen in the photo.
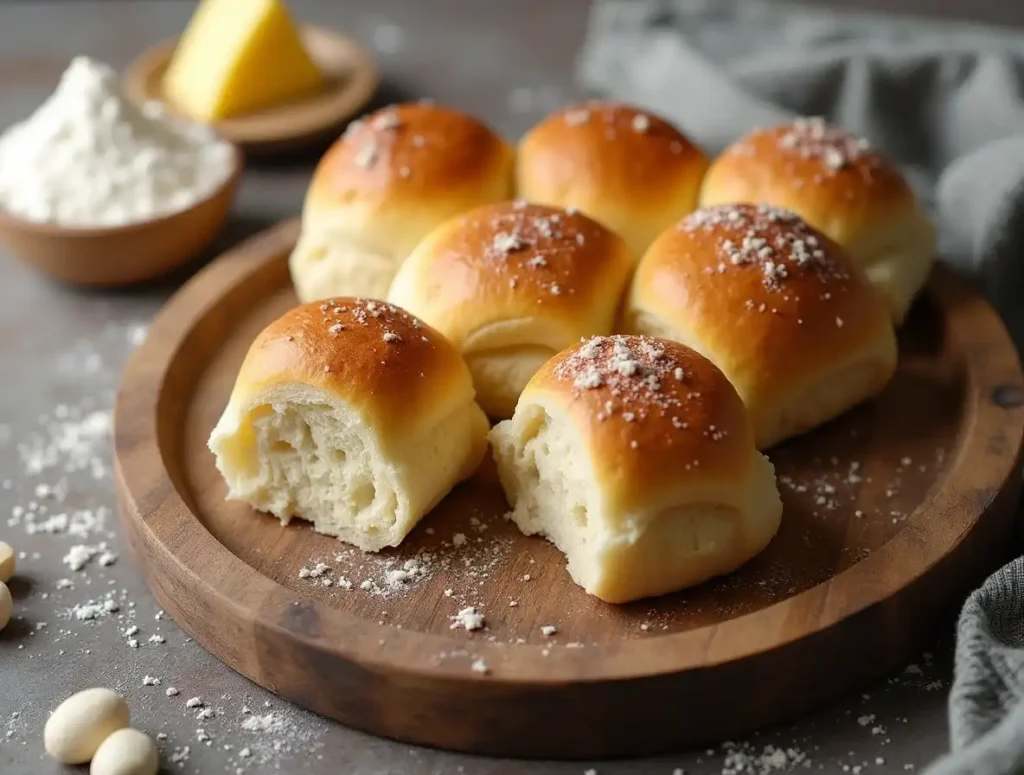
(632, 370)
(814, 138)
(589, 379)
(468, 619)
(771, 240)
(366, 155)
(386, 120)
(506, 242)
(89, 157)
(577, 116)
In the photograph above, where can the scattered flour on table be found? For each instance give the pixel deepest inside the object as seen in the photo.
(70, 442)
(468, 618)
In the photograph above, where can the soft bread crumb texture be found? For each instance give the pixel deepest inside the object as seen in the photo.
(510, 285)
(391, 178)
(351, 414)
(779, 307)
(628, 169)
(843, 187)
(634, 456)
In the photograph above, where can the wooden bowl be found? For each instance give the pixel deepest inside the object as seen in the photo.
(892, 513)
(109, 256)
(352, 80)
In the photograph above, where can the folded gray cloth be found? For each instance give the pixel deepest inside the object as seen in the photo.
(946, 101)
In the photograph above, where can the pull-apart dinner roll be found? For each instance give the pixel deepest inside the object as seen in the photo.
(841, 186)
(353, 415)
(791, 320)
(391, 178)
(635, 456)
(510, 285)
(629, 169)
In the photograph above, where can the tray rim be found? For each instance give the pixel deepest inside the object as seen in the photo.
(917, 550)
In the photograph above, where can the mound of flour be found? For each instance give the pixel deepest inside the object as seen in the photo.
(90, 157)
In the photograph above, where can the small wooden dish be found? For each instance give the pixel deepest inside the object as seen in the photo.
(110, 256)
(892, 514)
(351, 82)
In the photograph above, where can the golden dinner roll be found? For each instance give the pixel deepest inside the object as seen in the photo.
(636, 458)
(351, 414)
(776, 305)
(511, 284)
(841, 186)
(629, 169)
(390, 179)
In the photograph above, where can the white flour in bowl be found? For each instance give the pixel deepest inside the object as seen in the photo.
(90, 157)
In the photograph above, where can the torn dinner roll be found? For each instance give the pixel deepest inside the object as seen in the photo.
(841, 186)
(510, 285)
(635, 456)
(351, 414)
(776, 305)
(383, 185)
(627, 168)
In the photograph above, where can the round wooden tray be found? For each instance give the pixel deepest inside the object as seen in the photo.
(891, 514)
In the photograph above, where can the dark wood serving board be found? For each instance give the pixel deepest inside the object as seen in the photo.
(892, 513)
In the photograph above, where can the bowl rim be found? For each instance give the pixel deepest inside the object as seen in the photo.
(9, 220)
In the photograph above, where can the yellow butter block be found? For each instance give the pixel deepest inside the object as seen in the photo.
(236, 57)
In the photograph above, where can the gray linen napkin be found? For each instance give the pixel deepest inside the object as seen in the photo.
(946, 101)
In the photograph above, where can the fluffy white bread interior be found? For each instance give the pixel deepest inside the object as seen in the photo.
(351, 414)
(628, 169)
(383, 185)
(635, 457)
(783, 311)
(841, 186)
(511, 284)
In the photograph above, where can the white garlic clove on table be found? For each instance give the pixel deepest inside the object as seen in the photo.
(6, 605)
(126, 752)
(82, 722)
(7, 562)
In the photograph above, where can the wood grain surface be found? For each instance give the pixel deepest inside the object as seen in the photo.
(891, 512)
